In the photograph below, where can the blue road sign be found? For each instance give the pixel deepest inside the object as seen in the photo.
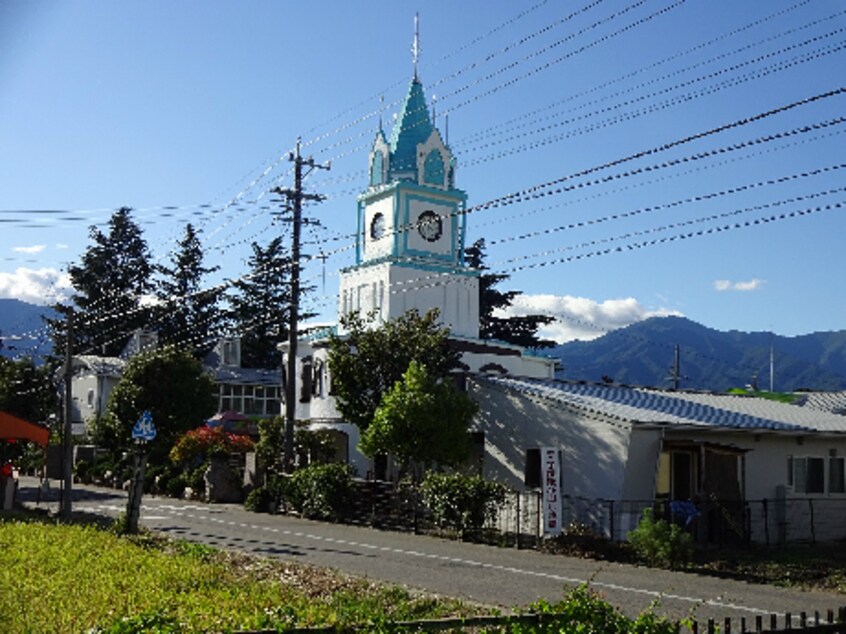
(144, 428)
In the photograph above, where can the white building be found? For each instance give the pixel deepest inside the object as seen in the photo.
(410, 238)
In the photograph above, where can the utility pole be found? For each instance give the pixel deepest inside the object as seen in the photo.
(295, 200)
(67, 454)
(676, 368)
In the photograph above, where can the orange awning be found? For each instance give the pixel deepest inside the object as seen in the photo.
(12, 427)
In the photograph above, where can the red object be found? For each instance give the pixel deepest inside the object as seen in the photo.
(14, 428)
(6, 470)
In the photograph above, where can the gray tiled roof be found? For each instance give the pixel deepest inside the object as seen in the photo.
(832, 402)
(642, 405)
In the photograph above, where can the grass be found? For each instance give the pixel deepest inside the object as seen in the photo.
(75, 578)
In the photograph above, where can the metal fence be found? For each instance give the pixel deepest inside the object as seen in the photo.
(769, 522)
(519, 520)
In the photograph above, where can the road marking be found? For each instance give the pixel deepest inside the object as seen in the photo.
(717, 602)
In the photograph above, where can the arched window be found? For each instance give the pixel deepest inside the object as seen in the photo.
(377, 168)
(433, 168)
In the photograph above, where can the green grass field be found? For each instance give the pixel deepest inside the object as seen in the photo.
(73, 578)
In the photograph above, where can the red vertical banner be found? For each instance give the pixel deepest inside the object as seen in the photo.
(551, 487)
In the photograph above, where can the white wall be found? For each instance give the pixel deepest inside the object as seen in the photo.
(399, 289)
(594, 451)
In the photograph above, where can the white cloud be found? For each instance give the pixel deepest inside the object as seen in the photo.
(35, 286)
(580, 317)
(36, 248)
(727, 285)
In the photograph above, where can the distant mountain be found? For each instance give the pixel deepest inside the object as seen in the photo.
(22, 329)
(643, 354)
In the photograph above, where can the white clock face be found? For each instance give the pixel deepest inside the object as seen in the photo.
(430, 225)
(377, 226)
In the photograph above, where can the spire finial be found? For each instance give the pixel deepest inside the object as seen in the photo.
(415, 46)
(381, 110)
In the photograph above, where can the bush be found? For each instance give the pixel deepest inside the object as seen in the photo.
(82, 471)
(259, 499)
(460, 502)
(320, 491)
(661, 543)
(583, 610)
(204, 442)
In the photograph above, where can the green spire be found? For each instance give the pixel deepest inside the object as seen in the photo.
(412, 127)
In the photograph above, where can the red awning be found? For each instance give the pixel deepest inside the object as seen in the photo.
(14, 428)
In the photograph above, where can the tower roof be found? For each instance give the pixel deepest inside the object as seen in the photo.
(412, 127)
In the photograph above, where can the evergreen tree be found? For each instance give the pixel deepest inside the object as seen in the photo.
(110, 283)
(521, 330)
(260, 307)
(188, 315)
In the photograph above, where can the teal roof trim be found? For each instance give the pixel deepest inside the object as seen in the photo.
(412, 127)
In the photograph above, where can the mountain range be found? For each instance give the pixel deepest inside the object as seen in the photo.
(644, 354)
(640, 354)
(22, 329)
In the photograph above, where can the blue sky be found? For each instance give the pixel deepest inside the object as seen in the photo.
(644, 114)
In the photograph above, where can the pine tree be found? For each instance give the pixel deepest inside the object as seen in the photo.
(260, 306)
(188, 316)
(521, 330)
(111, 284)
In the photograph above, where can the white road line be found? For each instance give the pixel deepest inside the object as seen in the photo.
(717, 602)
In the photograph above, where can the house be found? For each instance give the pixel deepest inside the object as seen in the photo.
(763, 468)
(250, 391)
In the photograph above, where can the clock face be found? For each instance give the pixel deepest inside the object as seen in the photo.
(430, 225)
(377, 226)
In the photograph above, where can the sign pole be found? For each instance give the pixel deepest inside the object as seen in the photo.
(142, 432)
(136, 488)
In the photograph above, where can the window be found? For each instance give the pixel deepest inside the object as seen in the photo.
(252, 400)
(90, 397)
(808, 474)
(230, 353)
(377, 168)
(836, 480)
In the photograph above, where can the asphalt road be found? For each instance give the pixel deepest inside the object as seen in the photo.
(482, 574)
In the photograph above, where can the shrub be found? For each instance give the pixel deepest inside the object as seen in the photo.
(461, 502)
(82, 470)
(320, 491)
(661, 543)
(204, 442)
(259, 499)
(584, 611)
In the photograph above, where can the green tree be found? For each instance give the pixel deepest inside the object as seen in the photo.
(188, 314)
(260, 306)
(367, 361)
(170, 384)
(521, 330)
(26, 390)
(421, 419)
(110, 283)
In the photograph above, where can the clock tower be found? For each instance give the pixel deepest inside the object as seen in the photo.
(411, 228)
